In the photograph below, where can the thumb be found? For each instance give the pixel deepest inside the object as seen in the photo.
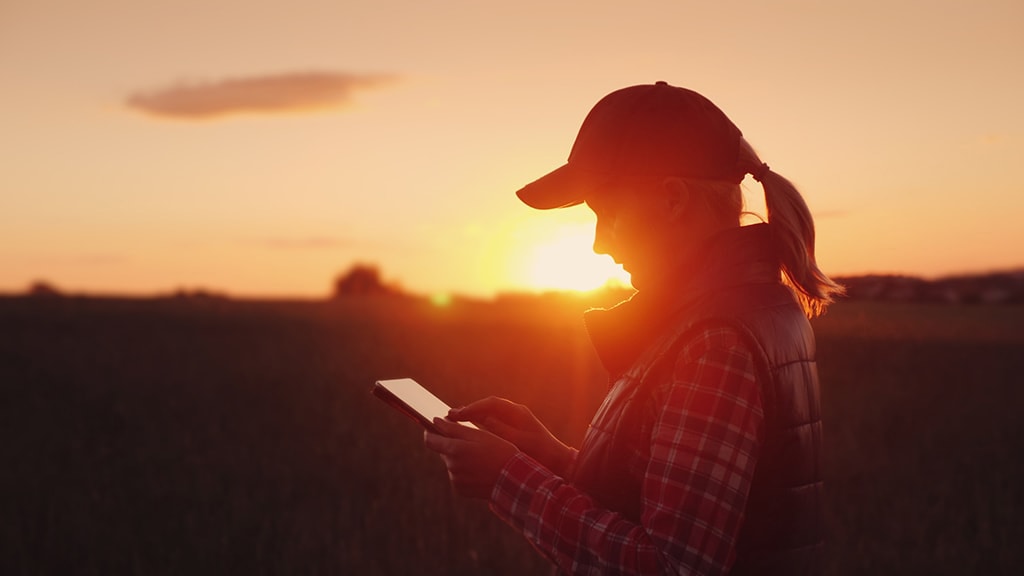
(450, 429)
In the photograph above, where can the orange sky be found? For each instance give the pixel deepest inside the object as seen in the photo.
(260, 147)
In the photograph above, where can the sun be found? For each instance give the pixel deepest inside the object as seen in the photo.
(566, 261)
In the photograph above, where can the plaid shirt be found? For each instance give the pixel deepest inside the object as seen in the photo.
(695, 477)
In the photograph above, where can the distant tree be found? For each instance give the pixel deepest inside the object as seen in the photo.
(43, 289)
(990, 288)
(361, 280)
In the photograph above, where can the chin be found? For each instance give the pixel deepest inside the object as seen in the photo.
(641, 281)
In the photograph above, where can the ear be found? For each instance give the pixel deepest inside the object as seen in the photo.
(677, 197)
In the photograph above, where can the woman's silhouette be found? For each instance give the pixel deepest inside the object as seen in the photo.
(705, 456)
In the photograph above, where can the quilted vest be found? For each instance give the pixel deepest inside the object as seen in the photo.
(782, 531)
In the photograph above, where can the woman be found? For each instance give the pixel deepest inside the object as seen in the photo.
(705, 457)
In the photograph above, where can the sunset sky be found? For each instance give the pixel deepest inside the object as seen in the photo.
(260, 147)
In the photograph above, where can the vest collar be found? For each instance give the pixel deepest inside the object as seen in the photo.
(741, 255)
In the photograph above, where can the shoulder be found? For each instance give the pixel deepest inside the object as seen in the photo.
(715, 358)
(712, 338)
(713, 383)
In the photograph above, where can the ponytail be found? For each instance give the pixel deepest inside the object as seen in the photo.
(792, 231)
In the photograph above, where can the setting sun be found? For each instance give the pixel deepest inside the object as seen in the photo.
(567, 261)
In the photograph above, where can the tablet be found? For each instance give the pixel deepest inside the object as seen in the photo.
(410, 398)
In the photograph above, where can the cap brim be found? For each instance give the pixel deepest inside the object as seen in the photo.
(563, 187)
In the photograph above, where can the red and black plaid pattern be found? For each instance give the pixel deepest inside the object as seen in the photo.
(695, 476)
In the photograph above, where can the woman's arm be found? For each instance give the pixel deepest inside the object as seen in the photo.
(702, 457)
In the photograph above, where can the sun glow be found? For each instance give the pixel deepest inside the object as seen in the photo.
(567, 261)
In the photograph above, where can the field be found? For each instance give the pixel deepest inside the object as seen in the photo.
(207, 436)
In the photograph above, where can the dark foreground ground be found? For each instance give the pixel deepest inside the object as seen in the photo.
(219, 437)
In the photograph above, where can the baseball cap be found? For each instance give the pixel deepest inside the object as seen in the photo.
(649, 130)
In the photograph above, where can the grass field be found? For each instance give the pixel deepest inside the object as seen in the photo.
(213, 437)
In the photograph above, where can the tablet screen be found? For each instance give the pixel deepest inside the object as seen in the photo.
(414, 398)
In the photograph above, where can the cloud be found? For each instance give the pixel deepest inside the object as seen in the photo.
(307, 243)
(992, 140)
(271, 94)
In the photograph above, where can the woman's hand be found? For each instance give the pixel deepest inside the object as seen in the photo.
(517, 424)
(474, 458)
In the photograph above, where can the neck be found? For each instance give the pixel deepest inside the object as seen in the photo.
(686, 256)
(733, 257)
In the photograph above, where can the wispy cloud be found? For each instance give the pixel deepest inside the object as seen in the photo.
(992, 140)
(270, 94)
(305, 243)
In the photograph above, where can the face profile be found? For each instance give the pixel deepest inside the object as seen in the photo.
(633, 225)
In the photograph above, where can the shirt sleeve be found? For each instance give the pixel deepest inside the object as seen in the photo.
(703, 449)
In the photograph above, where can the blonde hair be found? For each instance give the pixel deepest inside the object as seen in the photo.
(792, 230)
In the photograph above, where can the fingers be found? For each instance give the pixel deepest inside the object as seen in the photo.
(448, 428)
(478, 410)
(491, 407)
(437, 442)
(456, 431)
(474, 458)
(500, 428)
(487, 420)
(446, 436)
